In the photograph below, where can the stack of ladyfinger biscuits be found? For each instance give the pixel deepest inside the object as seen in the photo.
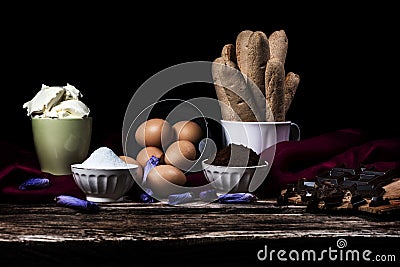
(250, 79)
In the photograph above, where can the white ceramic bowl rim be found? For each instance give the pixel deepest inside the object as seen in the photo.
(236, 167)
(257, 122)
(129, 166)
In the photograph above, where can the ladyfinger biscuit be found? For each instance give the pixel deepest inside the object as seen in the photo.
(242, 41)
(278, 45)
(292, 81)
(228, 53)
(252, 55)
(226, 74)
(227, 112)
(274, 90)
(257, 58)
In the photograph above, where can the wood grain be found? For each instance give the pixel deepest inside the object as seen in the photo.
(136, 221)
(212, 234)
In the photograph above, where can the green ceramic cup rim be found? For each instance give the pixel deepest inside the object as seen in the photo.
(47, 118)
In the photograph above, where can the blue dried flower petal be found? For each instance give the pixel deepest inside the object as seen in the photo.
(77, 203)
(151, 163)
(208, 195)
(175, 199)
(34, 183)
(146, 196)
(237, 198)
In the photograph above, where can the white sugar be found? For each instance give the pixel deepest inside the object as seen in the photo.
(104, 158)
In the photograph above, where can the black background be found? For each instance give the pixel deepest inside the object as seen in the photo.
(347, 57)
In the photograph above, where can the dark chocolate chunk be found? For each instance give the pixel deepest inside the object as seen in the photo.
(348, 171)
(332, 195)
(332, 186)
(378, 201)
(358, 200)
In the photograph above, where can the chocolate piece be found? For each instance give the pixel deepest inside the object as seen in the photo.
(348, 171)
(380, 177)
(358, 200)
(361, 181)
(336, 175)
(323, 180)
(309, 184)
(365, 177)
(331, 195)
(338, 186)
(286, 194)
(378, 201)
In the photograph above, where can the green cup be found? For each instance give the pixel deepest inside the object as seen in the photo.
(61, 142)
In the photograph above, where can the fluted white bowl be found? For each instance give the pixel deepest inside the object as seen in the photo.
(228, 179)
(104, 185)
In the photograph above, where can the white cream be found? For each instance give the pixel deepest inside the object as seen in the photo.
(69, 109)
(57, 102)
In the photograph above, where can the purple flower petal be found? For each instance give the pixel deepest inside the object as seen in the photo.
(151, 163)
(34, 183)
(146, 196)
(175, 199)
(77, 203)
(208, 195)
(237, 198)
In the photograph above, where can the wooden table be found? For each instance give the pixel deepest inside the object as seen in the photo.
(190, 234)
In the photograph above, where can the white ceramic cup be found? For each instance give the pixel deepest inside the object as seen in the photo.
(259, 135)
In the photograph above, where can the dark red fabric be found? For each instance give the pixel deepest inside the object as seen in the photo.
(347, 148)
(18, 165)
(293, 160)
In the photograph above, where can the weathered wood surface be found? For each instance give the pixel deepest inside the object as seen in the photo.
(157, 221)
(118, 228)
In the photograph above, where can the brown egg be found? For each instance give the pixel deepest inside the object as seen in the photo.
(131, 160)
(180, 154)
(187, 130)
(154, 132)
(145, 154)
(163, 180)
